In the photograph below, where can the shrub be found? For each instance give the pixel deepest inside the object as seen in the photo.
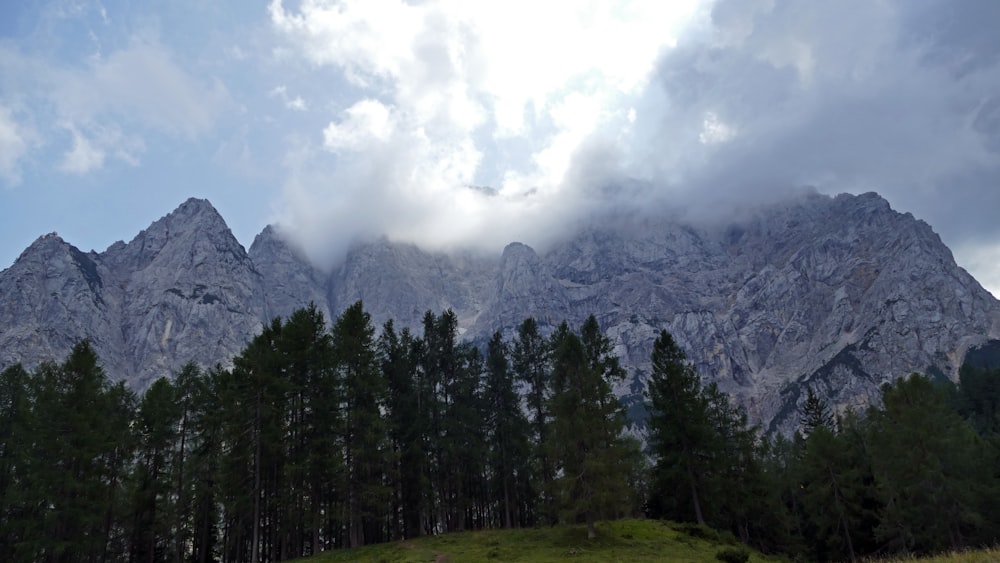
(733, 555)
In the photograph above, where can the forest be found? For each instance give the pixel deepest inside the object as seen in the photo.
(322, 437)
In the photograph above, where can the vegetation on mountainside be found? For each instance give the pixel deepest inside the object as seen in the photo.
(325, 439)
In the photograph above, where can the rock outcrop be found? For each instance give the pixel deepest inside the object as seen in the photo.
(839, 294)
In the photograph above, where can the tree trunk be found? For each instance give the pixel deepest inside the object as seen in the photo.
(255, 548)
(181, 508)
(694, 496)
(843, 518)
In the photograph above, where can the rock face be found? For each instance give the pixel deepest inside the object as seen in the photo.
(840, 294)
(287, 280)
(182, 290)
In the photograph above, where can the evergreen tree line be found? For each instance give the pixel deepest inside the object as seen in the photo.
(315, 439)
(320, 439)
(916, 473)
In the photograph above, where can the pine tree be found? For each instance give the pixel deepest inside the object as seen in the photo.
(15, 442)
(465, 441)
(815, 413)
(929, 467)
(156, 426)
(979, 398)
(365, 447)
(253, 396)
(777, 524)
(508, 434)
(681, 438)
(77, 462)
(188, 385)
(586, 442)
(205, 467)
(313, 430)
(400, 361)
(735, 469)
(529, 359)
(831, 494)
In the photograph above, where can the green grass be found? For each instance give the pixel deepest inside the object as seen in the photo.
(623, 540)
(979, 556)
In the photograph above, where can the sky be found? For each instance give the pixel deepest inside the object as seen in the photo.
(452, 123)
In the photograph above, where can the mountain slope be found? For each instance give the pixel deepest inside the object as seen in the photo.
(841, 294)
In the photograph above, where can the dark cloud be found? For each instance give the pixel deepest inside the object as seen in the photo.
(896, 97)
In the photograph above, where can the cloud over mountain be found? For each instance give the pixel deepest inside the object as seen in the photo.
(716, 104)
(450, 123)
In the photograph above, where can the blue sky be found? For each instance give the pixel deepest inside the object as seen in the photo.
(341, 120)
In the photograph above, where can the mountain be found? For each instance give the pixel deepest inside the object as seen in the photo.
(183, 289)
(840, 294)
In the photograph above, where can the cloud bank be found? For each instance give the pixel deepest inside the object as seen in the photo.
(696, 105)
(531, 102)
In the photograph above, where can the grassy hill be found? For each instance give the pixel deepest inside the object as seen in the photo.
(979, 556)
(624, 540)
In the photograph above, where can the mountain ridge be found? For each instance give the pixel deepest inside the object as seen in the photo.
(838, 293)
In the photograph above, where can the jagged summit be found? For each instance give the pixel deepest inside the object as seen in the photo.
(288, 280)
(840, 294)
(43, 243)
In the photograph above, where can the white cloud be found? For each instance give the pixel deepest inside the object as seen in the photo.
(107, 104)
(14, 145)
(92, 146)
(141, 83)
(365, 123)
(296, 103)
(510, 95)
(83, 157)
(707, 105)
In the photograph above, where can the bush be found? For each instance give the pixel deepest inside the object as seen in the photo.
(733, 555)
(699, 531)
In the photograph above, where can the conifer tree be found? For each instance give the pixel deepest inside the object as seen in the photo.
(929, 467)
(831, 494)
(152, 504)
(507, 429)
(734, 470)
(586, 443)
(205, 467)
(530, 361)
(313, 428)
(400, 361)
(465, 441)
(188, 385)
(979, 398)
(365, 447)
(253, 398)
(681, 438)
(77, 462)
(815, 413)
(15, 432)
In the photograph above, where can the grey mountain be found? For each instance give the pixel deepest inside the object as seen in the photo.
(840, 294)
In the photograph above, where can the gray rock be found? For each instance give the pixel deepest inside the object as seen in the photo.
(287, 280)
(839, 294)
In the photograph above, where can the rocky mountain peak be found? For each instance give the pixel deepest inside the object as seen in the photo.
(839, 294)
(287, 279)
(47, 243)
(52, 296)
(270, 243)
(191, 237)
